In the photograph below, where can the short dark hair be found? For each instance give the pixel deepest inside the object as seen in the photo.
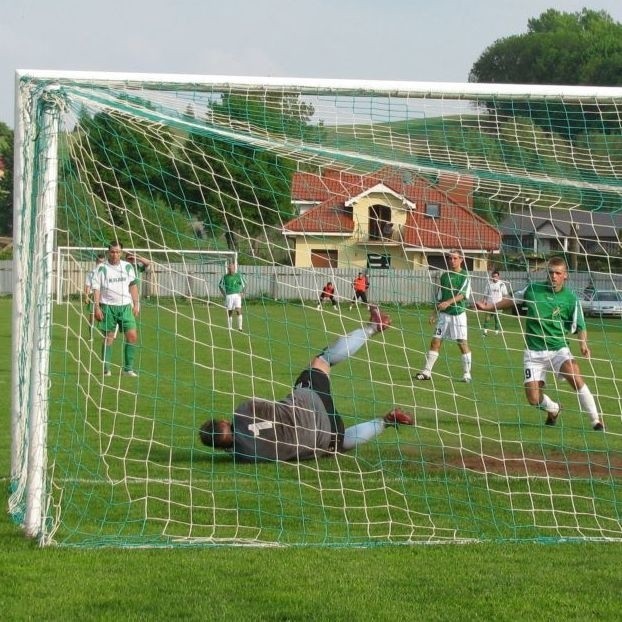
(115, 243)
(216, 433)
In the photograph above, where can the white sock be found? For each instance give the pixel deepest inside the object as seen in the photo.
(239, 322)
(430, 360)
(347, 345)
(466, 363)
(588, 403)
(229, 321)
(362, 433)
(548, 404)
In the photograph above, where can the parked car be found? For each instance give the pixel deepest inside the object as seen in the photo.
(604, 303)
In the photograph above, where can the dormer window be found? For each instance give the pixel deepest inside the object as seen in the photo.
(433, 210)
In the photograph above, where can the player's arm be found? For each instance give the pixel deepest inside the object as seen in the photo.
(582, 337)
(505, 303)
(133, 257)
(97, 311)
(462, 294)
(135, 299)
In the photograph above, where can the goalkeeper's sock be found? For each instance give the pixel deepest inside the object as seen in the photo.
(362, 433)
(129, 354)
(347, 345)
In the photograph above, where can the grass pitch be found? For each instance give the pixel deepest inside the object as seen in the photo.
(479, 465)
(501, 581)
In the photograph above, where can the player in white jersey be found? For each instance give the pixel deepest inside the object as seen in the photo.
(496, 290)
(116, 307)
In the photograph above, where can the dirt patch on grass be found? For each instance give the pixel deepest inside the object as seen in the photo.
(554, 464)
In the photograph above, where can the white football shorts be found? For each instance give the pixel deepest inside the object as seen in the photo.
(537, 364)
(233, 301)
(452, 327)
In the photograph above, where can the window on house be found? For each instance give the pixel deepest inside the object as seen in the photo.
(433, 210)
(321, 258)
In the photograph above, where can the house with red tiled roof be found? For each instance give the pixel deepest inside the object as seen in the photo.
(385, 219)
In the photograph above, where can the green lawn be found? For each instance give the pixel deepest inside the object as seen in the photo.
(412, 484)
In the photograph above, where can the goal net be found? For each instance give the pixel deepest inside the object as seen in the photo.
(300, 183)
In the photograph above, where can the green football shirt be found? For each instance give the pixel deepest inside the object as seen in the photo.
(232, 284)
(452, 284)
(550, 316)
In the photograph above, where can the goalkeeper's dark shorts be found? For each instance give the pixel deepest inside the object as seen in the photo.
(319, 382)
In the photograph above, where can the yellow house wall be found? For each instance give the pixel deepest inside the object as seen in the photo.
(352, 251)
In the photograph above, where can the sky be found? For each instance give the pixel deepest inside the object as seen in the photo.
(413, 40)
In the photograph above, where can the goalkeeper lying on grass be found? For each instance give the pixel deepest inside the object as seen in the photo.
(305, 424)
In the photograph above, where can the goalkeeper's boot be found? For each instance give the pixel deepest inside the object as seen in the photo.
(398, 417)
(381, 321)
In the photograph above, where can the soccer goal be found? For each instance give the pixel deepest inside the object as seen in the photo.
(301, 183)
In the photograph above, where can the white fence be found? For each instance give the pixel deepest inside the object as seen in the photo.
(286, 283)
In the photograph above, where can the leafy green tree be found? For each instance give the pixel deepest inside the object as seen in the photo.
(127, 158)
(6, 180)
(583, 48)
(558, 48)
(236, 188)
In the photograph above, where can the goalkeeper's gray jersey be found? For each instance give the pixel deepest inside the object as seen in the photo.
(295, 428)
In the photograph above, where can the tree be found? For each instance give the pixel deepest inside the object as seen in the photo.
(128, 158)
(6, 180)
(558, 48)
(234, 187)
(583, 48)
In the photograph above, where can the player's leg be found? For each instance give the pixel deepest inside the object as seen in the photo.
(466, 358)
(535, 367)
(108, 327)
(569, 370)
(435, 346)
(364, 432)
(130, 341)
(351, 343)
(229, 311)
(458, 330)
(497, 322)
(238, 305)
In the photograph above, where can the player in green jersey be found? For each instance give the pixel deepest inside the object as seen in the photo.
(232, 286)
(553, 310)
(450, 316)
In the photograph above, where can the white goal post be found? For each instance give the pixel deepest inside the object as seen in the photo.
(307, 181)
